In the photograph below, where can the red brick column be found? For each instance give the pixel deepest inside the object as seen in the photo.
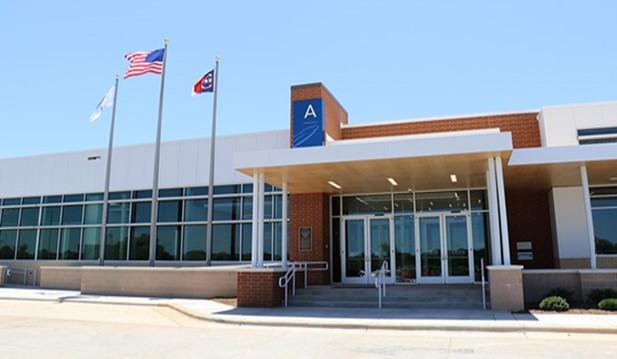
(258, 287)
(311, 210)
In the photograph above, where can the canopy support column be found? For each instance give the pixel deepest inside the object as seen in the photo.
(255, 219)
(284, 234)
(503, 214)
(588, 217)
(491, 186)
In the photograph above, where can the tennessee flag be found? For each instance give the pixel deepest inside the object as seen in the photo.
(204, 84)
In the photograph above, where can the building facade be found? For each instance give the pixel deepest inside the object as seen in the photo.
(433, 198)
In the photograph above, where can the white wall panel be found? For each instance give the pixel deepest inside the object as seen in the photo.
(183, 163)
(569, 222)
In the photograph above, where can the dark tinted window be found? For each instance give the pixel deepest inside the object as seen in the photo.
(10, 217)
(170, 211)
(168, 243)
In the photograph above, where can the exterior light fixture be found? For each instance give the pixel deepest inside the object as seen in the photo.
(334, 184)
(392, 181)
(453, 178)
(94, 158)
(612, 179)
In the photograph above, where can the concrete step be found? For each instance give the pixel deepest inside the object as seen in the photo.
(463, 296)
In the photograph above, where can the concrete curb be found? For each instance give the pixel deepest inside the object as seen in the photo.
(344, 324)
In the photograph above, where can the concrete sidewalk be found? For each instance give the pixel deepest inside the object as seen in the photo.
(367, 318)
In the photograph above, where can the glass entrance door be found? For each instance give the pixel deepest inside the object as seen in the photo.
(367, 243)
(444, 248)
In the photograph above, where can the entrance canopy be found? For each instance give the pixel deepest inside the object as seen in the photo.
(546, 167)
(419, 162)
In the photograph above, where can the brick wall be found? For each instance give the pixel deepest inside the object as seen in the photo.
(523, 126)
(312, 210)
(259, 288)
(334, 113)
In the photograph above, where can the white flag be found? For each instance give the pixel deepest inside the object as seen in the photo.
(107, 101)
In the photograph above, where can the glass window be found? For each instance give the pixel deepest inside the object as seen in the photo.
(441, 201)
(69, 244)
(31, 200)
(168, 243)
(247, 234)
(142, 212)
(51, 216)
(91, 197)
(226, 242)
(605, 230)
(227, 189)
(336, 249)
(604, 202)
(10, 217)
(481, 239)
(247, 188)
(116, 243)
(403, 203)
(226, 209)
(247, 207)
(11, 202)
(478, 199)
(277, 206)
(90, 243)
(367, 204)
(94, 214)
(52, 199)
(71, 214)
(26, 244)
(74, 198)
(119, 195)
(268, 207)
(194, 243)
(336, 206)
(140, 243)
(142, 194)
(268, 241)
(195, 210)
(170, 192)
(267, 188)
(48, 243)
(29, 216)
(118, 212)
(405, 246)
(277, 240)
(170, 211)
(196, 191)
(595, 191)
(7, 243)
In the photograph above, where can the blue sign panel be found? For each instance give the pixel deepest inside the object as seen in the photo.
(308, 122)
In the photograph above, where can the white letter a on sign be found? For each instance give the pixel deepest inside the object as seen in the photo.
(310, 112)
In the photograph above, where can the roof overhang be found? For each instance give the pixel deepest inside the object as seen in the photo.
(417, 161)
(547, 167)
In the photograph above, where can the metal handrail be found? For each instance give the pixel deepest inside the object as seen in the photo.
(380, 282)
(483, 283)
(290, 275)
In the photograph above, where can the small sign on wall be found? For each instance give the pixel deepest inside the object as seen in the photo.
(305, 235)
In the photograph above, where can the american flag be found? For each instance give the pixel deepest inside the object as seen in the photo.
(143, 62)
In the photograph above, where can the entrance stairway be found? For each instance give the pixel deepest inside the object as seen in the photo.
(453, 296)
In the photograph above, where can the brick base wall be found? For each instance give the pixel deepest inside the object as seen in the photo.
(259, 288)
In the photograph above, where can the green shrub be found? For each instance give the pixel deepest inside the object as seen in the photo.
(560, 292)
(554, 303)
(608, 304)
(596, 295)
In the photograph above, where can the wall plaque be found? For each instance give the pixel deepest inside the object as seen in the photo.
(305, 235)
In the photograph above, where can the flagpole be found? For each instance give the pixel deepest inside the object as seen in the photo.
(107, 178)
(211, 180)
(155, 177)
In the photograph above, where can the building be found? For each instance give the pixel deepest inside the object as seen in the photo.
(431, 197)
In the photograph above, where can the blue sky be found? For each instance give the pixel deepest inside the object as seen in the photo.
(383, 60)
